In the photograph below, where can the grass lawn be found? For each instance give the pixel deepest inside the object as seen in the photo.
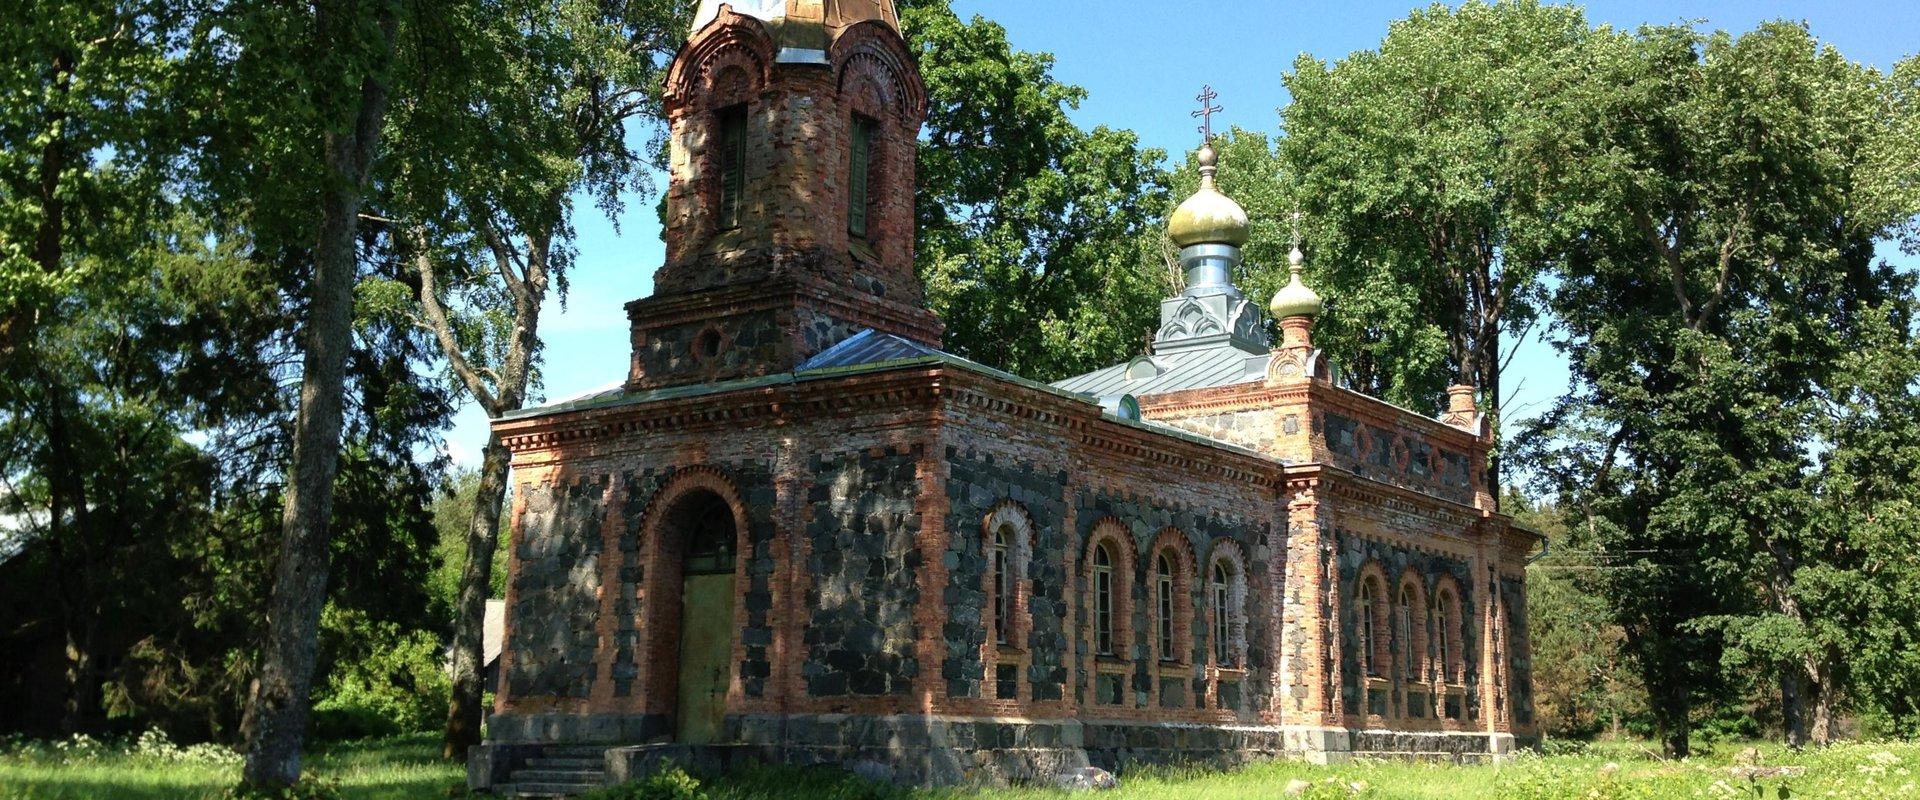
(408, 768)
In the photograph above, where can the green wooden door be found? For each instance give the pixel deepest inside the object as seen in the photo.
(706, 647)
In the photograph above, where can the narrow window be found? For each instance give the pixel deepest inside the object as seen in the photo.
(1102, 601)
(1002, 589)
(1366, 626)
(1403, 633)
(1444, 619)
(733, 163)
(1164, 590)
(859, 173)
(1222, 622)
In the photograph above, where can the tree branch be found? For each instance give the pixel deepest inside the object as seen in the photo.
(442, 329)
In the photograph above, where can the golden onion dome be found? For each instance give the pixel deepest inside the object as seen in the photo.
(1208, 217)
(1295, 299)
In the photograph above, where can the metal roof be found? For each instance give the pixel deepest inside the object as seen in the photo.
(866, 351)
(1171, 372)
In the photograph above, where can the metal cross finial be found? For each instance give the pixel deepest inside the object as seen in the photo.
(1206, 112)
(1296, 230)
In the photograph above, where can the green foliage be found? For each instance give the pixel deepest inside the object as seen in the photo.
(383, 679)
(1582, 682)
(669, 783)
(1709, 324)
(1033, 234)
(1431, 173)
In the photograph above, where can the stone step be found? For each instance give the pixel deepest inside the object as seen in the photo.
(594, 777)
(573, 751)
(546, 762)
(549, 790)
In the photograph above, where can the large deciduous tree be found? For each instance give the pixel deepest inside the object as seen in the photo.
(512, 110)
(1725, 271)
(1431, 175)
(303, 91)
(1031, 230)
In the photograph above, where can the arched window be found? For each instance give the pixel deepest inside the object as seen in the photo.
(859, 174)
(1446, 617)
(1371, 610)
(1163, 595)
(1103, 600)
(733, 163)
(1413, 651)
(1002, 585)
(1224, 653)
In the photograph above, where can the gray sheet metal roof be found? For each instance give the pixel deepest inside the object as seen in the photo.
(866, 351)
(1191, 369)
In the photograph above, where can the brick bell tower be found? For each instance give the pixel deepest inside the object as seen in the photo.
(789, 220)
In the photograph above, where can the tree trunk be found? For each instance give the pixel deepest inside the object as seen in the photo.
(1825, 698)
(1793, 706)
(276, 717)
(464, 712)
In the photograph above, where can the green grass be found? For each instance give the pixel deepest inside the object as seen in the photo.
(408, 767)
(376, 769)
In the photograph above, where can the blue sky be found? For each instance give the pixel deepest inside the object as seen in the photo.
(1142, 63)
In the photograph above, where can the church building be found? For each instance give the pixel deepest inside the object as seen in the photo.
(802, 533)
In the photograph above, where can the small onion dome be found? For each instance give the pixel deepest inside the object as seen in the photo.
(1295, 299)
(1208, 217)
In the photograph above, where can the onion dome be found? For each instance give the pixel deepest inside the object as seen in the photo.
(1295, 299)
(1208, 217)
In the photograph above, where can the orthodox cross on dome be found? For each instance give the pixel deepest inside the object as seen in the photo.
(1296, 229)
(1206, 112)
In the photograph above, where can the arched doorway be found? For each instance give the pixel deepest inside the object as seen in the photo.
(701, 533)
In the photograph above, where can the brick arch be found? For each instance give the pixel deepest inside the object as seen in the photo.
(874, 45)
(732, 38)
(1451, 661)
(1377, 657)
(1229, 554)
(1174, 543)
(1410, 624)
(659, 622)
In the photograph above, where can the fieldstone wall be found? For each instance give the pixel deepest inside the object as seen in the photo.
(552, 642)
(1145, 517)
(864, 565)
(977, 482)
(1355, 551)
(1400, 457)
(1513, 595)
(739, 345)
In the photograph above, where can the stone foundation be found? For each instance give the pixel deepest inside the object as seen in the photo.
(921, 750)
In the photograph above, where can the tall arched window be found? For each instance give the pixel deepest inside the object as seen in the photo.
(1002, 586)
(859, 175)
(1103, 600)
(733, 163)
(1368, 601)
(1411, 653)
(1163, 594)
(1224, 652)
(1446, 616)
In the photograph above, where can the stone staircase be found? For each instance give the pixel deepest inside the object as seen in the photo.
(558, 771)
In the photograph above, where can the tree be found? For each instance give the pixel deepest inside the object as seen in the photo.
(1431, 176)
(1725, 269)
(1033, 234)
(512, 109)
(83, 160)
(339, 55)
